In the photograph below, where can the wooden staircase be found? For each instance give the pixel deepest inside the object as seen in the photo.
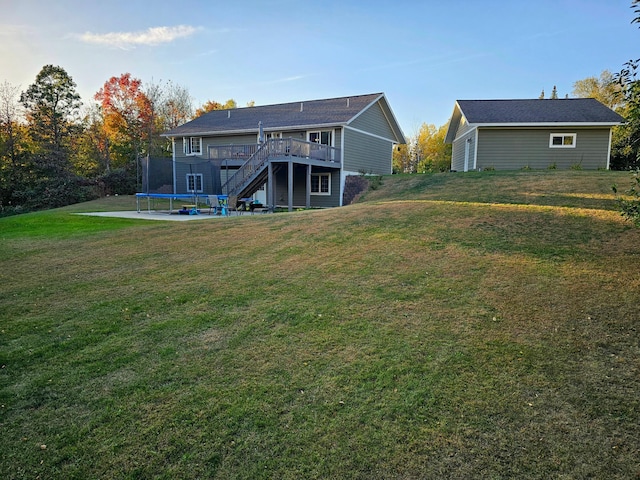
(253, 173)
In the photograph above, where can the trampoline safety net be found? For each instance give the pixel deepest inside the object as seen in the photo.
(200, 176)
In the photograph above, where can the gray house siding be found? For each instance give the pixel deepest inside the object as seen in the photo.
(373, 120)
(512, 149)
(214, 141)
(459, 150)
(300, 187)
(209, 174)
(366, 154)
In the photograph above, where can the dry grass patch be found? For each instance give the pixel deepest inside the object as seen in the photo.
(417, 336)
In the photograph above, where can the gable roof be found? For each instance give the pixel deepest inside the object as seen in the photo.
(536, 112)
(286, 116)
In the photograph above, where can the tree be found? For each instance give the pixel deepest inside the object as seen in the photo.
(127, 116)
(603, 88)
(425, 151)
(627, 148)
(91, 153)
(12, 145)
(52, 105)
(211, 105)
(176, 106)
(435, 154)
(51, 109)
(629, 83)
(554, 93)
(171, 106)
(401, 159)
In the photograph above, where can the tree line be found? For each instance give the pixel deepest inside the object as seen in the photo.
(55, 151)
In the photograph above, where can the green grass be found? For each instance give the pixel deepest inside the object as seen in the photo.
(448, 326)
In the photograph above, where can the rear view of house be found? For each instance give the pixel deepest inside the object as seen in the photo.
(537, 134)
(297, 154)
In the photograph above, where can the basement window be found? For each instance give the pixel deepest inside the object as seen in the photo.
(320, 184)
(562, 140)
(192, 145)
(194, 183)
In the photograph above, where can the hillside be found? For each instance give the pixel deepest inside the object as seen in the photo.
(446, 326)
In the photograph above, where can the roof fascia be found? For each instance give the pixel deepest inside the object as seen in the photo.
(547, 124)
(454, 124)
(252, 130)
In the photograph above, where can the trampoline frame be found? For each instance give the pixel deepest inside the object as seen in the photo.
(170, 196)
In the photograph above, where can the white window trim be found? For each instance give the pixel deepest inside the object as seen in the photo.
(198, 178)
(320, 175)
(330, 132)
(563, 135)
(186, 146)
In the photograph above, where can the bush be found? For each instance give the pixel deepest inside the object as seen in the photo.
(45, 193)
(630, 207)
(118, 181)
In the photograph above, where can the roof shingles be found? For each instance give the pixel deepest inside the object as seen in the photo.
(567, 110)
(332, 111)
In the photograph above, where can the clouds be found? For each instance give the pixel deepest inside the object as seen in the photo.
(153, 36)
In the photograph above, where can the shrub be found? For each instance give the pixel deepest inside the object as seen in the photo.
(118, 181)
(630, 207)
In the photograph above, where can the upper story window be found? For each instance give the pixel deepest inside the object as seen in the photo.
(323, 137)
(192, 145)
(562, 140)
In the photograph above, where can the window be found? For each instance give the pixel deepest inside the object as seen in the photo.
(323, 138)
(192, 145)
(194, 182)
(562, 140)
(320, 184)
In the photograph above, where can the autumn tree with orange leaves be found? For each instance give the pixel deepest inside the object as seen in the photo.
(211, 105)
(127, 116)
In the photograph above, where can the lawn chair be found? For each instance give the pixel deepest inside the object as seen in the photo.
(213, 203)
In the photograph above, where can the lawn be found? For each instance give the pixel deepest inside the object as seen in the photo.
(480, 325)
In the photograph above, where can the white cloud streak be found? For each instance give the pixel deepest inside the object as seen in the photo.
(153, 36)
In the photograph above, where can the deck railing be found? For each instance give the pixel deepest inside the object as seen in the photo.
(232, 152)
(272, 148)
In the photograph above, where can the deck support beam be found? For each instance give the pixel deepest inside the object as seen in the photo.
(308, 203)
(290, 186)
(271, 187)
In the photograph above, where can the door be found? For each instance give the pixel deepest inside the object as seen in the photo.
(467, 150)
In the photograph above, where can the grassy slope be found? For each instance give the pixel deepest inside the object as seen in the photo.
(449, 326)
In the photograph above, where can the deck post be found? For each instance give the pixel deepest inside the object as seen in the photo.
(290, 186)
(271, 186)
(308, 186)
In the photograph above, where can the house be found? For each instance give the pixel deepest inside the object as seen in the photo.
(296, 154)
(537, 134)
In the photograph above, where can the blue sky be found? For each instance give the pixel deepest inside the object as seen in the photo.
(423, 55)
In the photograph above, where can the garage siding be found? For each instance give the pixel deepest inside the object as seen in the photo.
(513, 149)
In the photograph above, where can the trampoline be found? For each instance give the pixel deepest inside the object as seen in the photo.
(170, 196)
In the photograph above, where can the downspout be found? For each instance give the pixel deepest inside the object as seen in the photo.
(475, 152)
(343, 176)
